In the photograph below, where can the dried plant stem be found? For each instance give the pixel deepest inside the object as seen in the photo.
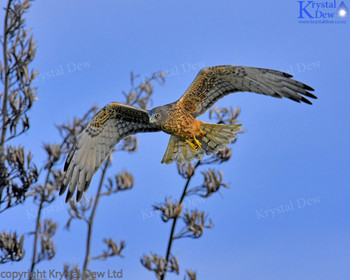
(91, 220)
(37, 229)
(37, 225)
(4, 105)
(171, 238)
(7, 78)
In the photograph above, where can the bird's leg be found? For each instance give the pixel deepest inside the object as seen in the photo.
(199, 145)
(194, 145)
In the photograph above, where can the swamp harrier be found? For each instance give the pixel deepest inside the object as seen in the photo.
(189, 138)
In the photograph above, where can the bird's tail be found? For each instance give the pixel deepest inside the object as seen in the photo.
(215, 138)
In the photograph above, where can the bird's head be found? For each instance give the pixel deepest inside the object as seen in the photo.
(158, 115)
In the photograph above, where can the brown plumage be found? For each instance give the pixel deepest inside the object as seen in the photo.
(190, 138)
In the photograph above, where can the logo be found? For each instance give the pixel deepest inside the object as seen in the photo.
(315, 12)
(342, 10)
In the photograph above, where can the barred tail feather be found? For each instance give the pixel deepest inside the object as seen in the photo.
(215, 138)
(178, 150)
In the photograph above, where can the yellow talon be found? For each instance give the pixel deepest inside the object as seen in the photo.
(197, 142)
(193, 146)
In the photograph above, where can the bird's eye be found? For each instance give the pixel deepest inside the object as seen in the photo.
(157, 116)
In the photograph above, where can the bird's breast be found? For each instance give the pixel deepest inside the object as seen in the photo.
(181, 124)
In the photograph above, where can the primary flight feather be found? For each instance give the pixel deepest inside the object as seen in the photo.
(190, 138)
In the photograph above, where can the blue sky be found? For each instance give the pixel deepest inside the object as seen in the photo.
(291, 154)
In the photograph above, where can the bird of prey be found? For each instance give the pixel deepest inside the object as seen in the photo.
(190, 138)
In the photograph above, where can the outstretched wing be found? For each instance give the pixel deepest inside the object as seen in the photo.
(111, 124)
(213, 83)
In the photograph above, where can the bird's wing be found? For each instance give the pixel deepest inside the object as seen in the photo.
(213, 83)
(111, 124)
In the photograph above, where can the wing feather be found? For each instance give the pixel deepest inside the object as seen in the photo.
(213, 83)
(110, 125)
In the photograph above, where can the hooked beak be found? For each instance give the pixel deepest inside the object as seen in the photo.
(150, 117)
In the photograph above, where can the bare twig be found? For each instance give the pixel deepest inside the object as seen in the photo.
(43, 199)
(91, 219)
(4, 105)
(6, 82)
(172, 232)
(16, 99)
(37, 228)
